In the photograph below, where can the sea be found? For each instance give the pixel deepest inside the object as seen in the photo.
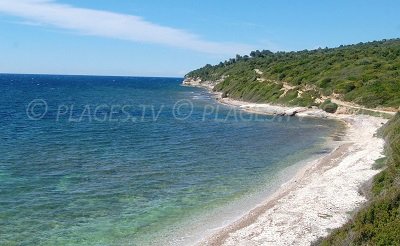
(103, 160)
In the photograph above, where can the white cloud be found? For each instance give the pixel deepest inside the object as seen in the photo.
(112, 25)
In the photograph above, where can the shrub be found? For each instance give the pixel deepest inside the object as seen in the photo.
(365, 73)
(329, 106)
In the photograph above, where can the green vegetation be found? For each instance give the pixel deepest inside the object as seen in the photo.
(366, 73)
(372, 113)
(378, 223)
(329, 106)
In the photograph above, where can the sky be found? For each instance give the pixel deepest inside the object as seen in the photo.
(171, 38)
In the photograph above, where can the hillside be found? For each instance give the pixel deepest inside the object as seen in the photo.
(366, 74)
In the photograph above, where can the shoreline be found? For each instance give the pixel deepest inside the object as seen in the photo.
(320, 196)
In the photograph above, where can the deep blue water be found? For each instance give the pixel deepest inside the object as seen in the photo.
(117, 160)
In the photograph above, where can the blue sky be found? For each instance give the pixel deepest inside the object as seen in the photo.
(170, 38)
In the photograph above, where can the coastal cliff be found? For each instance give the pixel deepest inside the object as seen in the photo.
(198, 82)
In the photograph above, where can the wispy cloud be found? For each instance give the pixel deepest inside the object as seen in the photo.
(112, 25)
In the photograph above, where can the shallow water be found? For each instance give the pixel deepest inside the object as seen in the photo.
(127, 160)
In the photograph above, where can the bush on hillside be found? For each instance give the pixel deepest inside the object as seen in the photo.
(364, 73)
(329, 106)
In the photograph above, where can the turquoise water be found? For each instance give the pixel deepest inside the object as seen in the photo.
(122, 160)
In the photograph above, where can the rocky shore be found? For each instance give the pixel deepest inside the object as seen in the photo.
(320, 197)
(261, 108)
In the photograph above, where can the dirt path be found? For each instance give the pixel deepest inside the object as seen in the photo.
(358, 107)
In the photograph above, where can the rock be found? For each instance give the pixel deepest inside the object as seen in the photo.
(291, 112)
(197, 82)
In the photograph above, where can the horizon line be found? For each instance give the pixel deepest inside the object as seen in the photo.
(92, 75)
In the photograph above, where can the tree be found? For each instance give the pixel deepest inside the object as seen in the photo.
(266, 52)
